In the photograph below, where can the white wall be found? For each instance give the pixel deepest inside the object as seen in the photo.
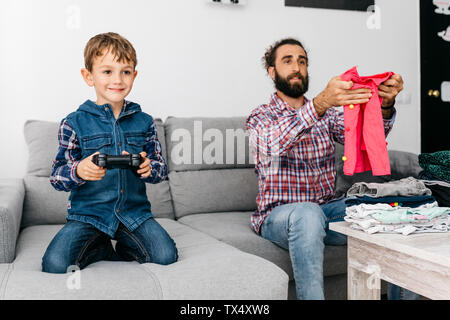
(194, 58)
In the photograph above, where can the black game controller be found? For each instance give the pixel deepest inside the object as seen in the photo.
(127, 161)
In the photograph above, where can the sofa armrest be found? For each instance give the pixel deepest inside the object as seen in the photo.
(12, 193)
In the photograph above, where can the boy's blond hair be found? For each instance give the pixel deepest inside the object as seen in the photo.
(120, 47)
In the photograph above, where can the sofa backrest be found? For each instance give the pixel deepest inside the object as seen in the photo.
(210, 165)
(43, 204)
(210, 170)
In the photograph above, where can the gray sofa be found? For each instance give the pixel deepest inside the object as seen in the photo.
(205, 205)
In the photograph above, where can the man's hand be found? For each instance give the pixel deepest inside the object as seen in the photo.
(389, 89)
(144, 169)
(339, 93)
(89, 171)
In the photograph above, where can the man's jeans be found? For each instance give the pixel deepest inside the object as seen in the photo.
(80, 244)
(302, 228)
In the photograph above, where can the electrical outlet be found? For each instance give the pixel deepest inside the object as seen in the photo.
(403, 97)
(445, 91)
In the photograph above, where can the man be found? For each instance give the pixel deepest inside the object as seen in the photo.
(293, 143)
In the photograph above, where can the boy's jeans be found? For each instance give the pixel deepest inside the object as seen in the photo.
(302, 228)
(80, 244)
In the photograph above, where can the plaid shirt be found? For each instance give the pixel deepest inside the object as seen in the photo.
(293, 151)
(64, 167)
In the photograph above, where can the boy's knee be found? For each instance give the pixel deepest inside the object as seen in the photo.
(166, 256)
(54, 263)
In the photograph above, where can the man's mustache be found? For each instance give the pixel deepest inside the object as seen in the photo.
(294, 75)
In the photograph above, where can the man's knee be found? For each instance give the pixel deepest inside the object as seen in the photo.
(309, 218)
(307, 213)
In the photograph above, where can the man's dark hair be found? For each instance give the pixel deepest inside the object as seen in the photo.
(270, 55)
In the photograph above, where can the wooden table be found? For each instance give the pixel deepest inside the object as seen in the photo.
(417, 262)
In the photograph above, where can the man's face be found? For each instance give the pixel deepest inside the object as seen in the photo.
(290, 73)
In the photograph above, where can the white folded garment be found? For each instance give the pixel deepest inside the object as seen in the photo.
(438, 226)
(362, 216)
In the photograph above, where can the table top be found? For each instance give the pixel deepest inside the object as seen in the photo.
(434, 247)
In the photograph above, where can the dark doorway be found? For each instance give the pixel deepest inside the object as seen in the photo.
(435, 75)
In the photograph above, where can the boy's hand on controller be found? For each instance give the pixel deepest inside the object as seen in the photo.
(144, 169)
(89, 171)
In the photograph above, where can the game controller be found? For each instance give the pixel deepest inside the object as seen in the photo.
(127, 161)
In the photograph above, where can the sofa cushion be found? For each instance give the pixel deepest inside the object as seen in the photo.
(42, 141)
(206, 269)
(207, 143)
(213, 190)
(403, 164)
(43, 204)
(234, 228)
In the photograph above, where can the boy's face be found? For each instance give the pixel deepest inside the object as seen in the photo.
(111, 79)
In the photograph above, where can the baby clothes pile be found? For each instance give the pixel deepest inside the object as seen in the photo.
(401, 206)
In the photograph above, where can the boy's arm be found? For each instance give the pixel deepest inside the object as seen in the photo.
(64, 167)
(158, 164)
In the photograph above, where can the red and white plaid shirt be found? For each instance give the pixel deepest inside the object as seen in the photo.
(293, 151)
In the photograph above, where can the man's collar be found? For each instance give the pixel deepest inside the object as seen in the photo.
(280, 103)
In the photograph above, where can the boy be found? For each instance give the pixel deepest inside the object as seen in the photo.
(108, 204)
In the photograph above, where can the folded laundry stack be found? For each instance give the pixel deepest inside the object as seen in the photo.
(440, 191)
(436, 175)
(401, 206)
(436, 164)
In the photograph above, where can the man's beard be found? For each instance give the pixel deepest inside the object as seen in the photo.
(294, 90)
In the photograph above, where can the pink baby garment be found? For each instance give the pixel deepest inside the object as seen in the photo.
(365, 138)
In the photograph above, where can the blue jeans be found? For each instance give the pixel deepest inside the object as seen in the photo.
(80, 244)
(395, 292)
(302, 228)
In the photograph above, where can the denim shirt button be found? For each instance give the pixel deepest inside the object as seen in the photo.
(118, 210)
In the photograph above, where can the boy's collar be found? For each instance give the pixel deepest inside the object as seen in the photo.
(101, 110)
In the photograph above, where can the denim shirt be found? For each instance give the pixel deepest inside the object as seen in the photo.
(119, 196)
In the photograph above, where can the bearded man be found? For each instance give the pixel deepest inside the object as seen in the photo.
(292, 139)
